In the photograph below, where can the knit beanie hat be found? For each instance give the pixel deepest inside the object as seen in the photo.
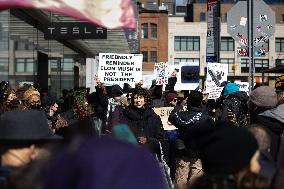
(231, 88)
(170, 97)
(224, 149)
(264, 96)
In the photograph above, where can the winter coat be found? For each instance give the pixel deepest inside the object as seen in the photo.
(183, 120)
(146, 121)
(273, 120)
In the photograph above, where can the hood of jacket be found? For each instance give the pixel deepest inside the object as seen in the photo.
(276, 113)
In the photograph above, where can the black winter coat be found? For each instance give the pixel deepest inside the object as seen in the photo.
(146, 121)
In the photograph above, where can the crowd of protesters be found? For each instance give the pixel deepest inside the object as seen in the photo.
(112, 138)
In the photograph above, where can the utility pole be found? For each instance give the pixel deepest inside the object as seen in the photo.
(251, 43)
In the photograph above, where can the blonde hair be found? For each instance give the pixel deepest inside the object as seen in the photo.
(31, 91)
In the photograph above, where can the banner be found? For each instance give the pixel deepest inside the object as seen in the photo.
(279, 83)
(120, 68)
(112, 14)
(216, 74)
(161, 73)
(215, 93)
(187, 74)
(164, 113)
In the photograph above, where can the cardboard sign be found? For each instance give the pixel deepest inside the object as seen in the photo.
(161, 73)
(164, 113)
(279, 83)
(215, 93)
(120, 68)
(216, 74)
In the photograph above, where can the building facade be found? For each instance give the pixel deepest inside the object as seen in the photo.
(153, 27)
(187, 42)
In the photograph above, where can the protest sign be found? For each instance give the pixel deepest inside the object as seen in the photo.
(279, 83)
(160, 72)
(187, 74)
(215, 92)
(164, 113)
(147, 81)
(243, 86)
(120, 68)
(216, 74)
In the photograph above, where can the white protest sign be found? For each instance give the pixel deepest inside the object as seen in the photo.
(164, 113)
(187, 74)
(215, 92)
(243, 86)
(120, 68)
(216, 74)
(147, 81)
(161, 73)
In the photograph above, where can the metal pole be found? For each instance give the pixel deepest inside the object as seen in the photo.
(251, 44)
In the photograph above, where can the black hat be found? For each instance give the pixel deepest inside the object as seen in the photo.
(224, 148)
(25, 126)
(49, 100)
(116, 90)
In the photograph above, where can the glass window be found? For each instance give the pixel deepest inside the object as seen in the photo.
(29, 65)
(202, 17)
(279, 62)
(180, 9)
(279, 44)
(227, 44)
(144, 31)
(187, 43)
(20, 45)
(153, 56)
(178, 60)
(261, 64)
(153, 31)
(4, 64)
(151, 5)
(245, 65)
(230, 63)
(20, 65)
(68, 64)
(145, 56)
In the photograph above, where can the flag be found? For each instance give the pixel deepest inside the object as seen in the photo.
(111, 14)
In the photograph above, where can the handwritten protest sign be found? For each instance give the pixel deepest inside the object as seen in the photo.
(216, 74)
(279, 83)
(164, 113)
(215, 92)
(160, 72)
(120, 68)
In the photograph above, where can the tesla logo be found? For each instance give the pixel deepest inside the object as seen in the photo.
(74, 30)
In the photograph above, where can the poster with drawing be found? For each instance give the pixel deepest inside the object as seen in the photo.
(161, 73)
(187, 74)
(216, 74)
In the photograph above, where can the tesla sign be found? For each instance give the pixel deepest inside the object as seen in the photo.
(74, 30)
